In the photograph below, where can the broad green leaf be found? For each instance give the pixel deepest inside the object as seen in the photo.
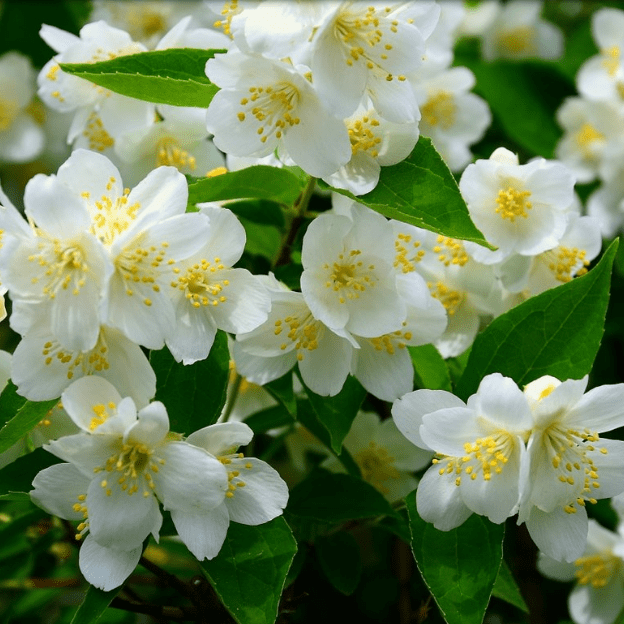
(262, 240)
(194, 395)
(339, 556)
(17, 477)
(460, 566)
(507, 589)
(422, 191)
(519, 100)
(249, 572)
(555, 333)
(337, 413)
(261, 211)
(269, 418)
(176, 76)
(26, 418)
(430, 368)
(257, 182)
(309, 419)
(94, 604)
(10, 402)
(334, 498)
(282, 391)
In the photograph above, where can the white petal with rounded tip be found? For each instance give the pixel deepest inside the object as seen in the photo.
(222, 438)
(107, 568)
(57, 489)
(203, 532)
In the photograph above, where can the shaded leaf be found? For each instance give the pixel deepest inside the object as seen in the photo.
(555, 333)
(269, 418)
(460, 566)
(339, 556)
(94, 604)
(176, 76)
(27, 416)
(18, 476)
(332, 497)
(422, 191)
(194, 395)
(249, 572)
(282, 391)
(507, 589)
(10, 402)
(336, 413)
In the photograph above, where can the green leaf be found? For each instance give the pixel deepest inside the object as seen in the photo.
(339, 556)
(507, 589)
(422, 191)
(194, 395)
(282, 391)
(579, 47)
(176, 76)
(430, 368)
(308, 418)
(10, 402)
(26, 418)
(269, 418)
(337, 413)
(249, 572)
(555, 333)
(523, 106)
(262, 240)
(18, 476)
(257, 182)
(332, 497)
(261, 211)
(93, 606)
(460, 566)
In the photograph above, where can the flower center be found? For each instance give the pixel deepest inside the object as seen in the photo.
(611, 62)
(513, 203)
(377, 466)
(273, 107)
(450, 251)
(586, 136)
(110, 216)
(519, 40)
(450, 299)
(597, 570)
(168, 152)
(80, 507)
(566, 262)
(134, 463)
(145, 22)
(403, 258)
(304, 331)
(95, 132)
(440, 109)
(8, 112)
(362, 137)
(229, 10)
(88, 362)
(64, 266)
(570, 453)
(139, 267)
(390, 342)
(101, 414)
(199, 284)
(234, 480)
(349, 277)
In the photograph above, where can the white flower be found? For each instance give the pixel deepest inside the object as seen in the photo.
(590, 128)
(385, 457)
(602, 76)
(531, 275)
(348, 280)
(255, 492)
(66, 93)
(467, 289)
(209, 295)
(292, 335)
(570, 463)
(132, 462)
(518, 32)
(62, 491)
(519, 208)
(264, 104)
(598, 596)
(481, 447)
(370, 48)
(452, 117)
(375, 142)
(21, 137)
(606, 204)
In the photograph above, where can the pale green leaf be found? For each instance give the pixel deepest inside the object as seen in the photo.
(30, 414)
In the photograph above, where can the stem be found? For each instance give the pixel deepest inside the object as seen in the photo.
(236, 384)
(167, 613)
(168, 579)
(299, 209)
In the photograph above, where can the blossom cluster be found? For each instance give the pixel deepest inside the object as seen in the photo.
(536, 452)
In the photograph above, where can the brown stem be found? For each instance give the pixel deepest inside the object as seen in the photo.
(168, 579)
(167, 613)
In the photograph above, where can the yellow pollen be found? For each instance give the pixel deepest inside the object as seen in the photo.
(169, 152)
(377, 466)
(440, 109)
(513, 203)
(597, 570)
(518, 41)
